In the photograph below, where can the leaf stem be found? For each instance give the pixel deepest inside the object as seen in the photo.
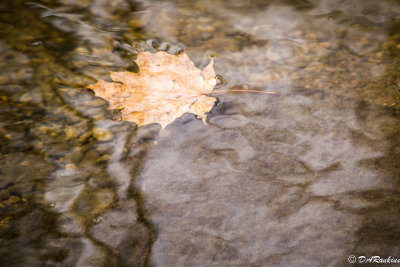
(244, 90)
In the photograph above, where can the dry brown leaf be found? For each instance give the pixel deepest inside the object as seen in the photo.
(166, 87)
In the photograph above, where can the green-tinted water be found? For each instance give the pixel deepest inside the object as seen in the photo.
(305, 178)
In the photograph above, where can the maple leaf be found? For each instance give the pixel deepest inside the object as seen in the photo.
(166, 87)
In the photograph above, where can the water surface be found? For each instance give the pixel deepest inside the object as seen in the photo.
(303, 178)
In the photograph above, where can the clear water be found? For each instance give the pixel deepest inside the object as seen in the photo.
(303, 178)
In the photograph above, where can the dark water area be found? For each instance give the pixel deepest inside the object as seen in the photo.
(307, 177)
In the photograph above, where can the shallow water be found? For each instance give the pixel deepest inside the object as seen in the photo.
(304, 178)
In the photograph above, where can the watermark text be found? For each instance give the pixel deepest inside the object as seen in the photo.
(372, 259)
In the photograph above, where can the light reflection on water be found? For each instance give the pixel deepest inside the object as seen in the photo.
(307, 177)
